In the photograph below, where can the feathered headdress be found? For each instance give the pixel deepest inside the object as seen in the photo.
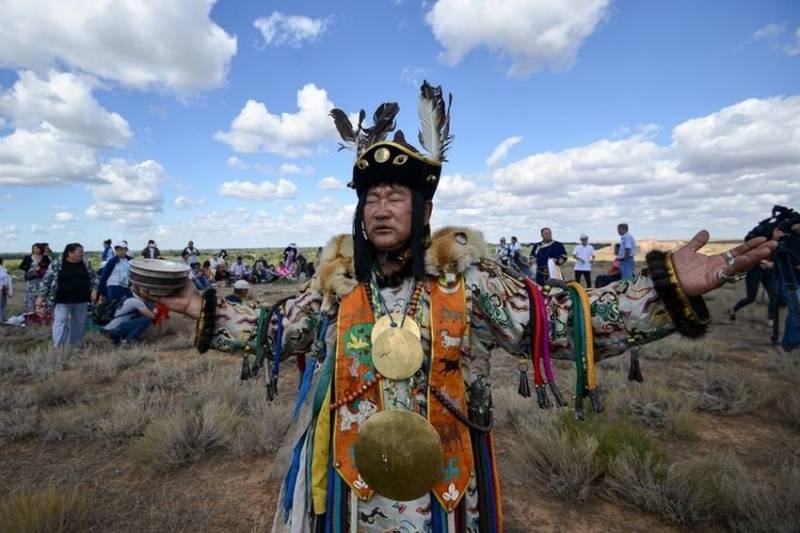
(396, 161)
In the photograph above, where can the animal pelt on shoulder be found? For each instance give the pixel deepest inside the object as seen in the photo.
(451, 251)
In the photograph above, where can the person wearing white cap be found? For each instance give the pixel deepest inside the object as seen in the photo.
(240, 290)
(584, 256)
(115, 276)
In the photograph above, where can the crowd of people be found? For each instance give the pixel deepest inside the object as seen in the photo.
(66, 292)
(548, 257)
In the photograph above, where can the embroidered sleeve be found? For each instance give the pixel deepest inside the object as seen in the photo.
(623, 313)
(236, 328)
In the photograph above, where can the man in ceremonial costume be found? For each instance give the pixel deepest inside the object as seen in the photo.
(549, 255)
(393, 419)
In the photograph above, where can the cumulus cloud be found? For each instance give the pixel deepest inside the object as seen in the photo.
(255, 129)
(130, 194)
(793, 48)
(501, 151)
(293, 30)
(64, 216)
(184, 202)
(266, 190)
(528, 34)
(330, 183)
(58, 129)
(139, 44)
(236, 163)
(769, 31)
(289, 168)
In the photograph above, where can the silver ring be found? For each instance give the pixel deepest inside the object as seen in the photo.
(724, 278)
(730, 259)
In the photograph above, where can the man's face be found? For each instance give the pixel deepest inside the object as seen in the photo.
(584, 241)
(621, 230)
(191, 243)
(387, 216)
(547, 234)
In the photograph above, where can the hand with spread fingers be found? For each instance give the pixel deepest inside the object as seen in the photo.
(699, 273)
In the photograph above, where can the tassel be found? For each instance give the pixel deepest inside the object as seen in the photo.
(560, 401)
(541, 398)
(580, 413)
(594, 400)
(245, 375)
(524, 388)
(635, 371)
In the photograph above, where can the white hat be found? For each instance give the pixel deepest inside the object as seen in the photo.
(584, 236)
(241, 285)
(121, 244)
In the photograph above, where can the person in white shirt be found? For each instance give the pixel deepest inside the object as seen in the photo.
(584, 257)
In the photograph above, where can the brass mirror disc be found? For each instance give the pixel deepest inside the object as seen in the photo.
(385, 322)
(399, 454)
(397, 353)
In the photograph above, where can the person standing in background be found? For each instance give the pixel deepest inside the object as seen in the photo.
(627, 251)
(151, 251)
(584, 257)
(6, 290)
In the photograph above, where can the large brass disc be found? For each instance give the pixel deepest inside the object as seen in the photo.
(385, 322)
(397, 353)
(399, 454)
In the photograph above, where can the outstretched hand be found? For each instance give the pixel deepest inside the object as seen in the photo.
(699, 273)
(187, 301)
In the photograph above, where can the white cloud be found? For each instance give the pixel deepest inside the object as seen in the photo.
(64, 216)
(769, 31)
(138, 43)
(501, 151)
(793, 49)
(255, 129)
(266, 190)
(330, 183)
(754, 135)
(529, 34)
(412, 75)
(236, 163)
(292, 30)
(58, 129)
(289, 168)
(184, 202)
(130, 195)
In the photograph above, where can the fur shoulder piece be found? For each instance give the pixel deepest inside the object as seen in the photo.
(335, 275)
(452, 250)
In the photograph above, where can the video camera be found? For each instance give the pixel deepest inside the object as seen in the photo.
(783, 218)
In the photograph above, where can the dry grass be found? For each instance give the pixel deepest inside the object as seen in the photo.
(59, 389)
(78, 421)
(655, 406)
(48, 510)
(129, 416)
(186, 436)
(789, 405)
(731, 393)
(18, 423)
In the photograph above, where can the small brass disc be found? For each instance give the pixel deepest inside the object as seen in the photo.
(397, 353)
(399, 454)
(385, 322)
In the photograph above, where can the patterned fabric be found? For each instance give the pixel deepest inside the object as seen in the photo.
(49, 285)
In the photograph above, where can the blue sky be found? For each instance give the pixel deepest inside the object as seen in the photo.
(203, 120)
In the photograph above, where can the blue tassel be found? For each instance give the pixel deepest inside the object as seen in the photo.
(291, 478)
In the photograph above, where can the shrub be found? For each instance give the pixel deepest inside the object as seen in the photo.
(71, 421)
(129, 416)
(512, 410)
(789, 405)
(18, 423)
(560, 464)
(263, 430)
(14, 396)
(53, 509)
(184, 437)
(58, 390)
(165, 376)
(731, 394)
(655, 406)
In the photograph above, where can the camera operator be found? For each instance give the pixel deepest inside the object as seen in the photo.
(760, 274)
(786, 260)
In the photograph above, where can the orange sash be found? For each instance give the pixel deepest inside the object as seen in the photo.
(448, 323)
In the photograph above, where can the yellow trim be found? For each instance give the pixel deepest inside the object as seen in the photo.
(591, 378)
(319, 459)
(403, 149)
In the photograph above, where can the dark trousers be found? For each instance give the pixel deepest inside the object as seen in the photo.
(130, 330)
(758, 276)
(586, 274)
